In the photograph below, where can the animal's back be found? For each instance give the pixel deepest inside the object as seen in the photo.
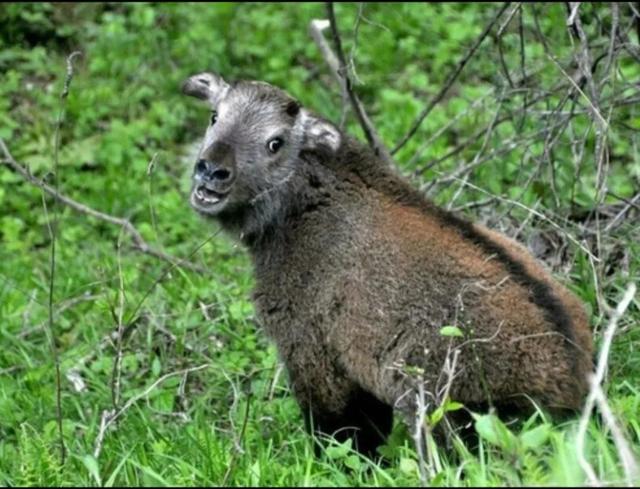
(377, 271)
(512, 350)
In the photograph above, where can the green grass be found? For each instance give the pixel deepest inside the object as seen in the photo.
(235, 421)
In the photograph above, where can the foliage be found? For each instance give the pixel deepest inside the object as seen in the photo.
(125, 110)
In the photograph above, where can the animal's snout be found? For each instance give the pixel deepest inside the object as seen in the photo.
(215, 167)
(212, 184)
(210, 172)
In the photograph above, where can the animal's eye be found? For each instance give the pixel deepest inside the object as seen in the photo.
(214, 117)
(275, 144)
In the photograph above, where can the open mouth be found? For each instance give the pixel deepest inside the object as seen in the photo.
(205, 199)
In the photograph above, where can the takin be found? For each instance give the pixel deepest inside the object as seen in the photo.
(357, 275)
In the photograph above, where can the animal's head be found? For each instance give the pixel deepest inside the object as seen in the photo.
(251, 146)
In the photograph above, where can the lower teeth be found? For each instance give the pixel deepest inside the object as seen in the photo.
(206, 200)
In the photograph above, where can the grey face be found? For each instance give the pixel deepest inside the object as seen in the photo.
(250, 147)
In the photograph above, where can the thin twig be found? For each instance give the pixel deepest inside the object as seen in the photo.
(572, 14)
(537, 214)
(583, 59)
(120, 328)
(615, 20)
(629, 204)
(235, 454)
(64, 306)
(343, 72)
(476, 158)
(506, 147)
(315, 31)
(138, 240)
(110, 416)
(595, 381)
(421, 410)
(629, 464)
(445, 128)
(450, 81)
(354, 48)
(53, 233)
(478, 134)
(168, 269)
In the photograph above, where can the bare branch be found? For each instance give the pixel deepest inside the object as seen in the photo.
(572, 14)
(116, 375)
(354, 48)
(138, 240)
(629, 204)
(583, 59)
(450, 81)
(538, 214)
(315, 31)
(474, 137)
(53, 233)
(630, 466)
(338, 64)
(234, 456)
(636, 15)
(316, 26)
(68, 304)
(110, 416)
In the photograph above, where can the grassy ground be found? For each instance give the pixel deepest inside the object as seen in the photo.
(206, 401)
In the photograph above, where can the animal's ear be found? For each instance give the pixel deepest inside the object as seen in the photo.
(206, 86)
(320, 133)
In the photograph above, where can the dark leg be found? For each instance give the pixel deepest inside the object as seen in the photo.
(364, 419)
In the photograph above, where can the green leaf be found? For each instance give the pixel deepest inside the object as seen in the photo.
(450, 331)
(453, 405)
(255, 473)
(436, 416)
(445, 407)
(92, 466)
(353, 462)
(156, 366)
(534, 438)
(408, 466)
(491, 429)
(339, 450)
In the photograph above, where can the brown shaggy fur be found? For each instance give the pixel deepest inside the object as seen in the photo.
(362, 278)
(357, 273)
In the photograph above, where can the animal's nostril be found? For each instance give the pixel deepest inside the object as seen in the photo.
(209, 171)
(201, 166)
(221, 174)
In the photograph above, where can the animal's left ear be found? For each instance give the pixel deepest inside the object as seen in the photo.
(206, 86)
(318, 133)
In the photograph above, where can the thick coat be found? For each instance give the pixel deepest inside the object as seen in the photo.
(357, 273)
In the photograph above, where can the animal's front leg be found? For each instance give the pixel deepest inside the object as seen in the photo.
(333, 405)
(363, 419)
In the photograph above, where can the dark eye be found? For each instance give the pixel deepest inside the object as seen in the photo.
(214, 117)
(275, 144)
